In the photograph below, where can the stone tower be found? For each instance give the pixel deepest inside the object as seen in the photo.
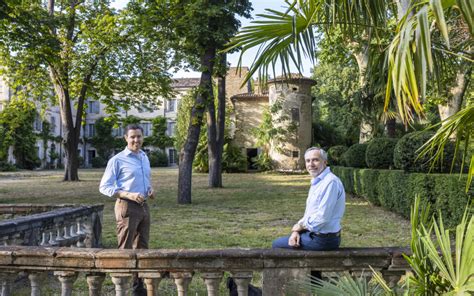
(290, 105)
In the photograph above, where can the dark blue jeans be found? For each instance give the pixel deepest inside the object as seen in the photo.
(309, 242)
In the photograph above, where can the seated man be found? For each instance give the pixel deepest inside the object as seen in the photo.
(320, 227)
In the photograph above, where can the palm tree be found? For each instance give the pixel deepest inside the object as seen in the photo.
(286, 37)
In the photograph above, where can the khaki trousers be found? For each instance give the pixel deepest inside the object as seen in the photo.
(133, 224)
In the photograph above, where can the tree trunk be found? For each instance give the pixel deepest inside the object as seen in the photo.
(215, 139)
(455, 94)
(194, 129)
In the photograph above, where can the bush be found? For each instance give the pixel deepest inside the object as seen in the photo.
(264, 162)
(379, 153)
(335, 154)
(98, 162)
(355, 156)
(395, 190)
(7, 167)
(405, 155)
(158, 158)
(233, 161)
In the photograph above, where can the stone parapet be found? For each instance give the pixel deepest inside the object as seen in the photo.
(279, 267)
(60, 226)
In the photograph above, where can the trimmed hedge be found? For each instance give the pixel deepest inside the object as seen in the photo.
(405, 155)
(395, 190)
(355, 156)
(379, 153)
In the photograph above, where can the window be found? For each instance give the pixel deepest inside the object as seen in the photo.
(295, 154)
(170, 128)
(172, 156)
(38, 124)
(1, 107)
(295, 115)
(146, 129)
(171, 105)
(91, 130)
(52, 119)
(118, 132)
(93, 107)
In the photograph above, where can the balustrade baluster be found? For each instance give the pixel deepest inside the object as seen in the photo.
(152, 280)
(59, 236)
(212, 280)
(121, 282)
(95, 280)
(67, 279)
(36, 279)
(52, 239)
(72, 230)
(7, 279)
(242, 280)
(44, 239)
(182, 280)
(66, 233)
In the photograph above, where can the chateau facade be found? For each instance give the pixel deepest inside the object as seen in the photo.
(292, 97)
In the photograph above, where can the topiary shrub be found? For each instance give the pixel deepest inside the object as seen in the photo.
(355, 156)
(405, 155)
(335, 154)
(158, 158)
(379, 153)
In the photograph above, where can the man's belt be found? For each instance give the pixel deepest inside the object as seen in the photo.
(327, 235)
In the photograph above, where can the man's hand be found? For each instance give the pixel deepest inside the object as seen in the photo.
(136, 197)
(151, 193)
(294, 240)
(297, 228)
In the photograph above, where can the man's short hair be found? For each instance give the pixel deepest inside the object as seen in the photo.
(324, 154)
(132, 126)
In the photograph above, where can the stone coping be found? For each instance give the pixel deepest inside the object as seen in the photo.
(113, 260)
(28, 208)
(58, 215)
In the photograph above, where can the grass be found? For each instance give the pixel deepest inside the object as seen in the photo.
(249, 212)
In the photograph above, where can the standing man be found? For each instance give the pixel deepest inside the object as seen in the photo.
(320, 227)
(127, 178)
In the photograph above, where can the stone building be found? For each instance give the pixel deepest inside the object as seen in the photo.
(288, 101)
(292, 95)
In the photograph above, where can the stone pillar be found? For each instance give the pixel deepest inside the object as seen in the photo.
(36, 280)
(95, 280)
(151, 280)
(212, 280)
(242, 280)
(67, 279)
(182, 280)
(7, 279)
(121, 282)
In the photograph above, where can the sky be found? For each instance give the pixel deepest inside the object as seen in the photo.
(259, 7)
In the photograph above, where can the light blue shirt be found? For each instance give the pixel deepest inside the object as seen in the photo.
(325, 204)
(127, 171)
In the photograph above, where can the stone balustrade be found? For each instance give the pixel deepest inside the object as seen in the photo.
(278, 267)
(79, 226)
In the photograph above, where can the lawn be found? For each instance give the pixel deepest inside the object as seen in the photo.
(249, 212)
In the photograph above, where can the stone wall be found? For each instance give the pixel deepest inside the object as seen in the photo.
(248, 110)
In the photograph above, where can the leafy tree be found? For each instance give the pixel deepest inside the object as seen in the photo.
(287, 36)
(81, 49)
(197, 29)
(16, 122)
(159, 138)
(103, 140)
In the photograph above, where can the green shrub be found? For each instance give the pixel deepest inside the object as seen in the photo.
(158, 158)
(355, 156)
(335, 154)
(264, 161)
(405, 155)
(395, 190)
(98, 162)
(7, 167)
(233, 161)
(379, 153)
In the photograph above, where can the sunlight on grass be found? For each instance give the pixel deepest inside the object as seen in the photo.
(251, 211)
